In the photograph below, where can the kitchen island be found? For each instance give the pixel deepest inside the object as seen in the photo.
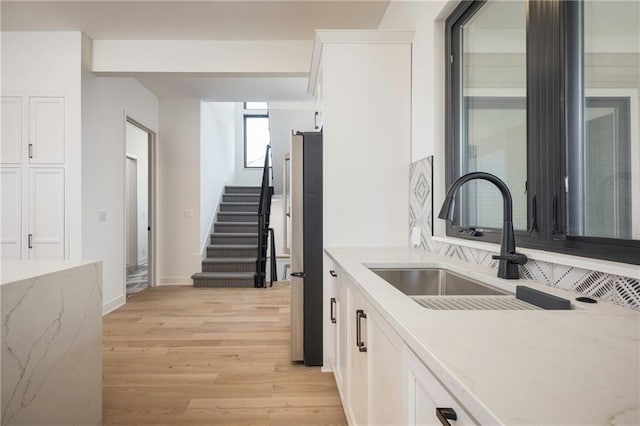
(530, 367)
(51, 365)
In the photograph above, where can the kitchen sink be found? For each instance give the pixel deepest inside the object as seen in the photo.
(435, 282)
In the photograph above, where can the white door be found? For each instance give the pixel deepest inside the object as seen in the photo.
(132, 212)
(46, 213)
(46, 130)
(11, 151)
(11, 211)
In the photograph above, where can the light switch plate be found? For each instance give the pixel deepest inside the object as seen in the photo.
(415, 236)
(188, 213)
(102, 216)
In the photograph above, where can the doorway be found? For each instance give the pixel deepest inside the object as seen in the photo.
(138, 206)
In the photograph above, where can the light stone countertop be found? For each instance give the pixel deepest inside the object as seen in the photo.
(576, 367)
(18, 270)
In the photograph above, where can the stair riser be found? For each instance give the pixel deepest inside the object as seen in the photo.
(229, 267)
(224, 283)
(221, 239)
(241, 198)
(231, 252)
(249, 208)
(242, 190)
(230, 217)
(225, 227)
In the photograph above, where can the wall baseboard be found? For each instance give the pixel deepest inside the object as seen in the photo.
(175, 281)
(113, 304)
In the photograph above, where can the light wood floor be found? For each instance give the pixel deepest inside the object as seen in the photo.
(198, 356)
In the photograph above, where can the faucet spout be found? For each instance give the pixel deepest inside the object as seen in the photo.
(509, 259)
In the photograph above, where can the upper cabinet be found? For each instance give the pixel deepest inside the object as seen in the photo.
(11, 150)
(46, 130)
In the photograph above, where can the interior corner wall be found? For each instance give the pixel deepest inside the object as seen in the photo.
(242, 175)
(217, 160)
(283, 118)
(179, 191)
(36, 63)
(106, 103)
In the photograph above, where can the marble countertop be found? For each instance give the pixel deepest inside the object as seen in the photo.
(580, 366)
(18, 270)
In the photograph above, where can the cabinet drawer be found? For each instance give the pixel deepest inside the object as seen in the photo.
(427, 395)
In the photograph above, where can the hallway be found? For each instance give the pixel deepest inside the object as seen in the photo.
(186, 356)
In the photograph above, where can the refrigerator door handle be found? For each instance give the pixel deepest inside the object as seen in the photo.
(298, 274)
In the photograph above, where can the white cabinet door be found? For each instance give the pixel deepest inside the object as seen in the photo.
(342, 322)
(330, 317)
(11, 211)
(46, 213)
(46, 130)
(358, 362)
(427, 395)
(387, 377)
(11, 148)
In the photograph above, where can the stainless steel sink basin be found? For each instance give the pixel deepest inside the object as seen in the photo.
(435, 282)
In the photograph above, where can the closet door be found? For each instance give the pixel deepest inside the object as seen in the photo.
(46, 213)
(11, 149)
(11, 211)
(46, 130)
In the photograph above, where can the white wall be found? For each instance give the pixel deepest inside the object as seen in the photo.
(137, 141)
(106, 103)
(283, 118)
(49, 64)
(179, 191)
(217, 160)
(243, 176)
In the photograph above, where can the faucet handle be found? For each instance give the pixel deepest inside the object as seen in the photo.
(513, 257)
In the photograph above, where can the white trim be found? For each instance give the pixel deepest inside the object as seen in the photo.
(164, 281)
(323, 37)
(113, 304)
(606, 266)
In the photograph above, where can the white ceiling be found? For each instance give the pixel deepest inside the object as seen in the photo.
(199, 20)
(192, 20)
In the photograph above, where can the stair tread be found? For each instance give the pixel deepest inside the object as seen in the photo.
(238, 213)
(237, 223)
(229, 260)
(235, 234)
(238, 203)
(226, 275)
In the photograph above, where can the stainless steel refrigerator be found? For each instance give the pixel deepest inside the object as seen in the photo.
(306, 247)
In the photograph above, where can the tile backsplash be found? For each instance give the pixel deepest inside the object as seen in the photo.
(619, 290)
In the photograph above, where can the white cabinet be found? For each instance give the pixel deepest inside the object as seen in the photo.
(33, 200)
(46, 130)
(382, 381)
(11, 211)
(46, 213)
(330, 318)
(11, 149)
(429, 402)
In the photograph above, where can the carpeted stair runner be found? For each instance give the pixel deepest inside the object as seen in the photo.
(232, 252)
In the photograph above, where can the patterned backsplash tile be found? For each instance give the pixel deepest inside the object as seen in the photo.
(619, 290)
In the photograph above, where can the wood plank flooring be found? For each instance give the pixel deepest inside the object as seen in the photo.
(199, 356)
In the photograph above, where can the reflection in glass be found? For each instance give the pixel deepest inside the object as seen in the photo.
(609, 154)
(493, 111)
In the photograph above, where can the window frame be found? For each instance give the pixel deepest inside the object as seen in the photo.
(554, 101)
(251, 113)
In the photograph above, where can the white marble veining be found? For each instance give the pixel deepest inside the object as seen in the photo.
(51, 365)
(579, 367)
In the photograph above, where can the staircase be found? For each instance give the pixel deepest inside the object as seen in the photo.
(232, 253)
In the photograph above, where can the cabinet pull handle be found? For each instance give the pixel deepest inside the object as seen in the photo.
(30, 150)
(446, 414)
(30, 241)
(361, 345)
(333, 273)
(333, 310)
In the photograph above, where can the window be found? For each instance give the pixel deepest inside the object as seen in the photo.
(256, 133)
(544, 94)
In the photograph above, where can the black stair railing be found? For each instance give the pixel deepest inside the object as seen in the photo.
(264, 232)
